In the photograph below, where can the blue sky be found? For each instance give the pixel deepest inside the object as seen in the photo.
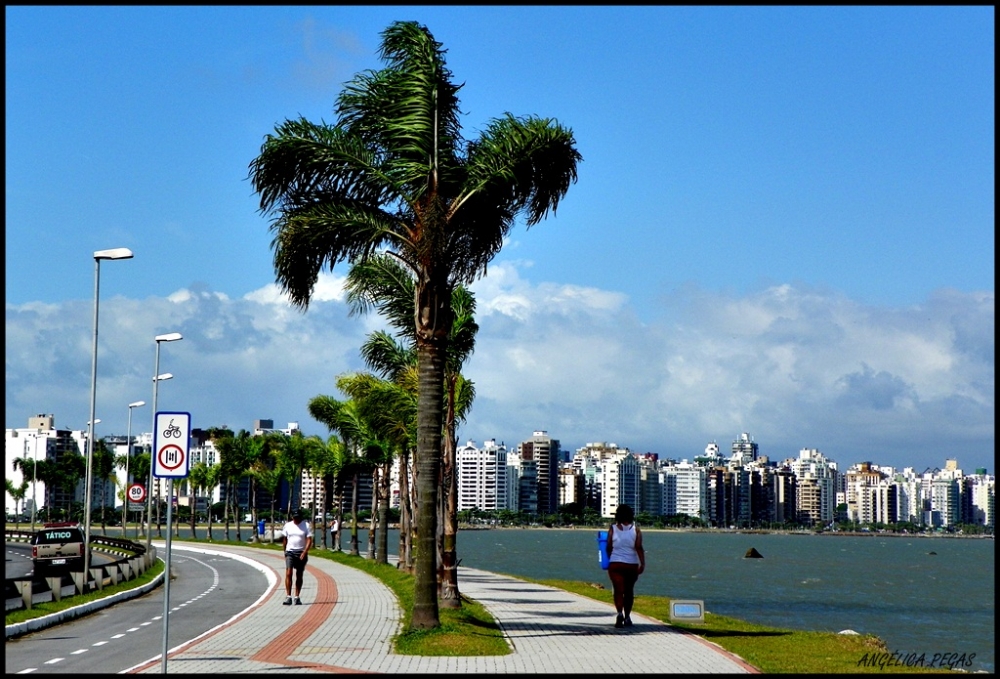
(783, 224)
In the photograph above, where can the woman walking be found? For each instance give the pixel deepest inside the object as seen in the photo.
(626, 561)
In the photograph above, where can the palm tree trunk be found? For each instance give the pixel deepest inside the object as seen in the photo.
(354, 517)
(404, 511)
(273, 503)
(383, 515)
(194, 507)
(253, 509)
(432, 308)
(340, 515)
(236, 511)
(326, 510)
(450, 596)
(411, 534)
(211, 494)
(372, 525)
(229, 486)
(322, 512)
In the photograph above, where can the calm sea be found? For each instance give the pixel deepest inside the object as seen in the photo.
(893, 587)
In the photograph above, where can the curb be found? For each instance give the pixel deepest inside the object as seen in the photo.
(35, 624)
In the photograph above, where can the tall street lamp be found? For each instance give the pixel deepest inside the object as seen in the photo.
(168, 337)
(128, 456)
(114, 253)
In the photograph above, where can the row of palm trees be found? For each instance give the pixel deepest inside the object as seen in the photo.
(264, 460)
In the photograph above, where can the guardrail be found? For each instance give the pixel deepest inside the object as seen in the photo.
(132, 561)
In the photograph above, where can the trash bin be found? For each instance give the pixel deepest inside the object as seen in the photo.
(260, 527)
(602, 548)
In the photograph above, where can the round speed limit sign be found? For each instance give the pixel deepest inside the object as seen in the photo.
(136, 492)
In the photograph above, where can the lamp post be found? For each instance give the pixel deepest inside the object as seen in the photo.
(128, 456)
(114, 253)
(149, 481)
(34, 485)
(169, 337)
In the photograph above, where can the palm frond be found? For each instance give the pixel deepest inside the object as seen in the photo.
(387, 357)
(519, 166)
(381, 282)
(408, 110)
(310, 240)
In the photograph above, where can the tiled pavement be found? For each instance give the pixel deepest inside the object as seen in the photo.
(348, 619)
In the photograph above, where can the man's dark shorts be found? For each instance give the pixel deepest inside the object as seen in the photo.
(295, 560)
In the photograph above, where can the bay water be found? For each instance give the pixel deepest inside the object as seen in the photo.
(921, 595)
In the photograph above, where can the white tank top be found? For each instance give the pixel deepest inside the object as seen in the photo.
(623, 544)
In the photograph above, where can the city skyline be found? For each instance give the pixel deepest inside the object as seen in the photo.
(783, 224)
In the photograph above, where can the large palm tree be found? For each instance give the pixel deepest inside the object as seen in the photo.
(393, 173)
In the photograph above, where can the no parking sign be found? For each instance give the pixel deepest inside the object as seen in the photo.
(171, 443)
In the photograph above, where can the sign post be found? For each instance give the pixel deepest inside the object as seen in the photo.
(171, 460)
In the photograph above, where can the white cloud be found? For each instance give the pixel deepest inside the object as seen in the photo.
(795, 367)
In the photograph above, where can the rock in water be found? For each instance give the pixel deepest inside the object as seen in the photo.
(752, 553)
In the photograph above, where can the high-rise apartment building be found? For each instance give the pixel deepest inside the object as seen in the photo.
(816, 478)
(979, 499)
(522, 483)
(744, 449)
(685, 490)
(482, 476)
(572, 487)
(545, 451)
(620, 483)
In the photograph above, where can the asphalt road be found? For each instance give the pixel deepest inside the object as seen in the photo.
(206, 590)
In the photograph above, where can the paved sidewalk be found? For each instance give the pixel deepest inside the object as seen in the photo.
(348, 619)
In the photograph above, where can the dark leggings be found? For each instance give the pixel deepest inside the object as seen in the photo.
(623, 577)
